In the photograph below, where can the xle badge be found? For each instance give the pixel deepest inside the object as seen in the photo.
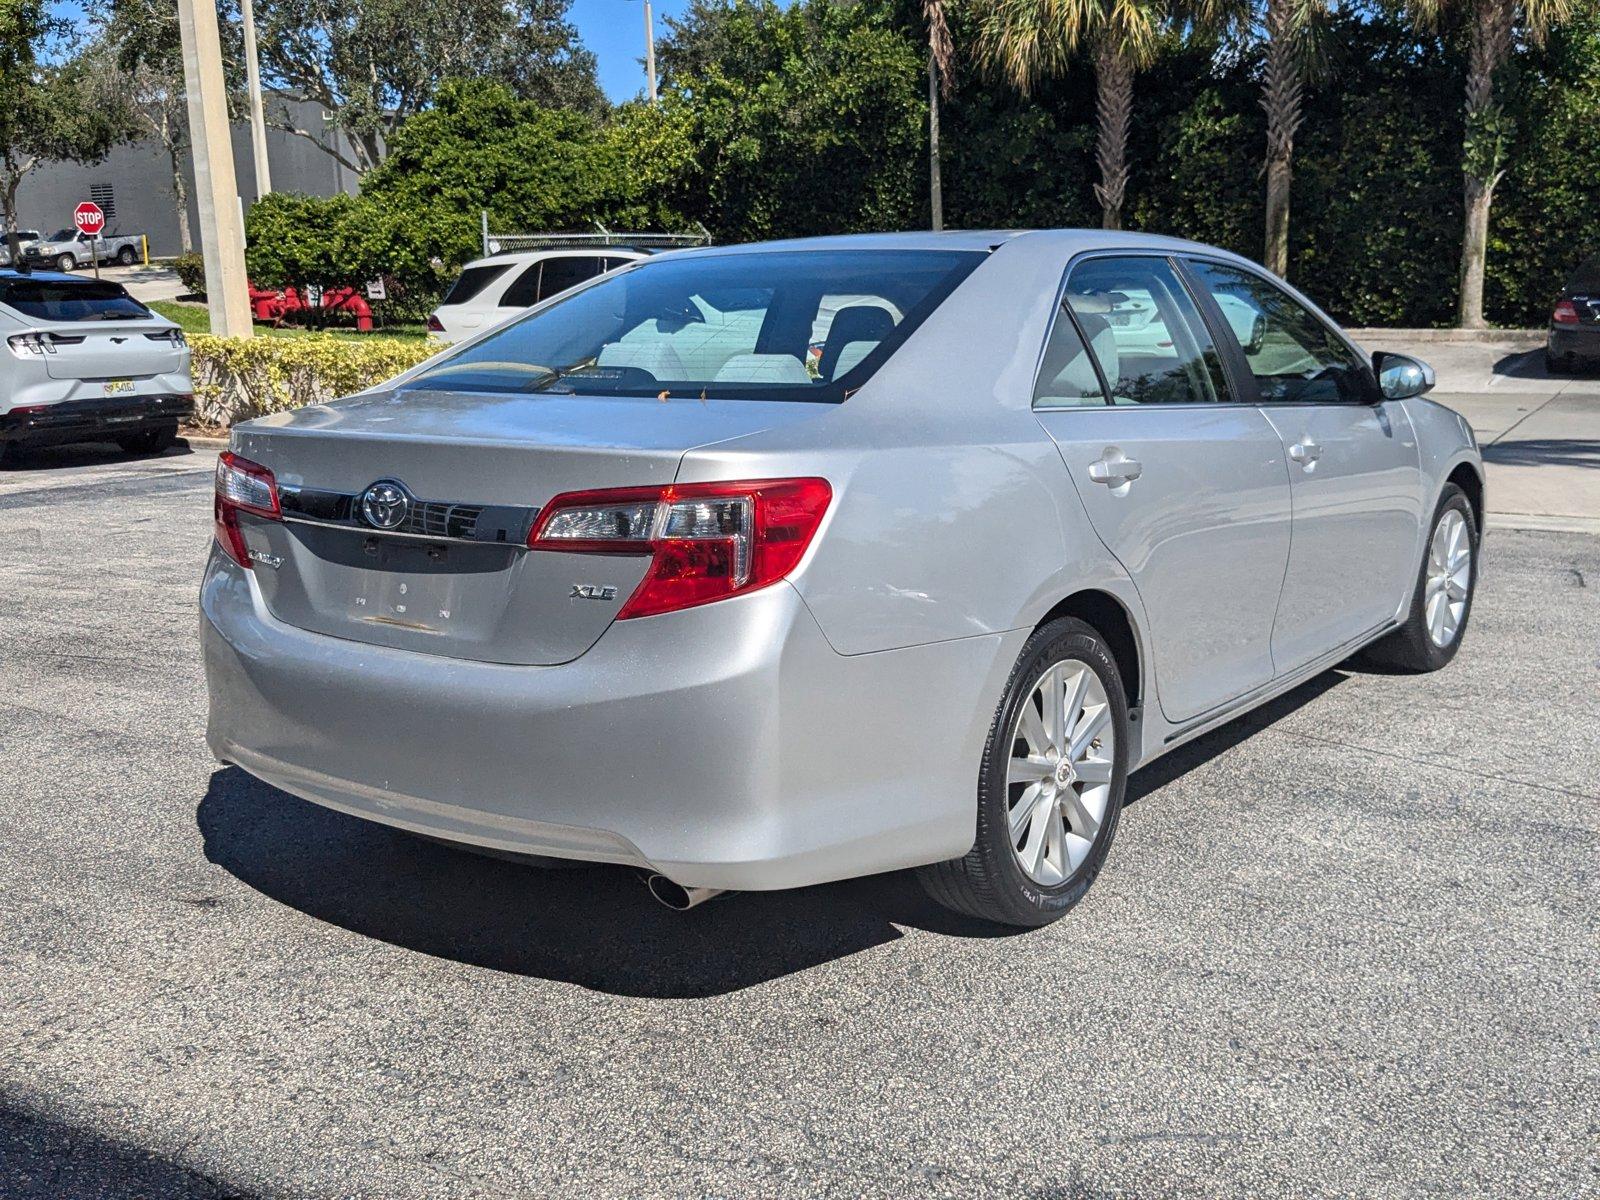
(592, 591)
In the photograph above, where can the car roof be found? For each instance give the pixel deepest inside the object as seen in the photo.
(1586, 278)
(529, 256)
(1073, 240)
(49, 276)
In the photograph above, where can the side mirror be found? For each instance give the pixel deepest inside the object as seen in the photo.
(1400, 377)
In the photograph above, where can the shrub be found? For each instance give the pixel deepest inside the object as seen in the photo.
(239, 378)
(191, 269)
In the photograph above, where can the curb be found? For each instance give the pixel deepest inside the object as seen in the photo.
(1441, 337)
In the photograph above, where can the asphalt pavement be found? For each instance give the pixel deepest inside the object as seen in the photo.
(1345, 946)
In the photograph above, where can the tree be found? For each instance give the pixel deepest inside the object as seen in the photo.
(1493, 29)
(143, 44)
(372, 64)
(1029, 41)
(64, 110)
(941, 75)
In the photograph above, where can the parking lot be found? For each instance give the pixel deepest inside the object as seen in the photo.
(1344, 946)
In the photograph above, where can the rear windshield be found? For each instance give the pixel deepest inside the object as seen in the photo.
(472, 281)
(70, 300)
(764, 325)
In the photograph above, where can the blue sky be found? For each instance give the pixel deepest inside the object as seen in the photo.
(614, 30)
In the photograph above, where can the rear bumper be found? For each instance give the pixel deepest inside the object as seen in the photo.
(1575, 341)
(726, 746)
(79, 420)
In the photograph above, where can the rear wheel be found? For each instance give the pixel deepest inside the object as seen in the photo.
(9, 453)
(1555, 365)
(125, 256)
(1051, 786)
(66, 262)
(151, 441)
(1442, 601)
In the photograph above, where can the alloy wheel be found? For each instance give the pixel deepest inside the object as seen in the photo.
(1449, 577)
(1058, 780)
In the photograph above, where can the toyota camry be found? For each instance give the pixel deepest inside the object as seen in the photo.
(762, 566)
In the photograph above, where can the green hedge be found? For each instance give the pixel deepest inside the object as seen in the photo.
(239, 378)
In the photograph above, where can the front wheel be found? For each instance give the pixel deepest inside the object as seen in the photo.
(1442, 600)
(66, 262)
(1051, 786)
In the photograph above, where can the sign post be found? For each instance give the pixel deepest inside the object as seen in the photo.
(90, 219)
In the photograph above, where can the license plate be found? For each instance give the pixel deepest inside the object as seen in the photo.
(117, 386)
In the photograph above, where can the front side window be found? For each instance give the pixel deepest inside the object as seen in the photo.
(1294, 356)
(1145, 332)
(70, 300)
(779, 325)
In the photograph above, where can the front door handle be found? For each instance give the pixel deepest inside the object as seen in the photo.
(1114, 469)
(1305, 452)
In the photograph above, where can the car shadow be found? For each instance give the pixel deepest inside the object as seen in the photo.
(593, 926)
(84, 454)
(1544, 452)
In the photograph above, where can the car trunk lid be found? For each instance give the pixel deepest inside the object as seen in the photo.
(454, 577)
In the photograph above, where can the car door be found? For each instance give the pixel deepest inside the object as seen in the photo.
(1185, 486)
(1354, 468)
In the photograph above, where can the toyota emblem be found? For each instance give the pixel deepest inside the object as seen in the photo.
(386, 504)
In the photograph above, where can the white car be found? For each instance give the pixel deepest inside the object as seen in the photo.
(25, 238)
(491, 289)
(84, 361)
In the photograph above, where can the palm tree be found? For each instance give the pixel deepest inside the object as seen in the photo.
(1493, 28)
(1290, 56)
(1287, 31)
(1029, 41)
(941, 53)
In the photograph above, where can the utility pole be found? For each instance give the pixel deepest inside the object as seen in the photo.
(216, 188)
(935, 188)
(650, 54)
(258, 119)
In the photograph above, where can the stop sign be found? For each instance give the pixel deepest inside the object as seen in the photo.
(89, 218)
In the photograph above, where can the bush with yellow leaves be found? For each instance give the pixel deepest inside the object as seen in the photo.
(239, 378)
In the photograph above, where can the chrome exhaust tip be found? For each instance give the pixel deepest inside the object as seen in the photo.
(677, 897)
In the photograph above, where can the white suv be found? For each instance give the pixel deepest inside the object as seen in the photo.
(491, 289)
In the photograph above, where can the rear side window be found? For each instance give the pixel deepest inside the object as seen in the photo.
(1067, 377)
(524, 289)
(472, 281)
(563, 273)
(1145, 332)
(70, 300)
(779, 325)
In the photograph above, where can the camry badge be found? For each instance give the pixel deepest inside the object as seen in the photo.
(386, 504)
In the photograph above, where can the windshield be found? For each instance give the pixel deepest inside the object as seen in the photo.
(763, 325)
(62, 235)
(70, 300)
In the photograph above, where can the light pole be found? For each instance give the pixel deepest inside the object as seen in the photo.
(650, 54)
(216, 190)
(258, 120)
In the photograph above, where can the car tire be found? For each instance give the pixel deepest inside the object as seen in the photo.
(151, 441)
(994, 881)
(1417, 646)
(10, 452)
(126, 256)
(66, 262)
(1555, 365)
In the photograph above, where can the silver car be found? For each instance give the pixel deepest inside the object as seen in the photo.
(700, 569)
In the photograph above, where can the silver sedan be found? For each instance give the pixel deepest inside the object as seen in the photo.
(763, 566)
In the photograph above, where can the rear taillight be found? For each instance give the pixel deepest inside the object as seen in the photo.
(26, 345)
(706, 541)
(242, 486)
(434, 324)
(1566, 313)
(174, 335)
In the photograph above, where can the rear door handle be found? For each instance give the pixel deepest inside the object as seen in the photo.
(1305, 452)
(1113, 468)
